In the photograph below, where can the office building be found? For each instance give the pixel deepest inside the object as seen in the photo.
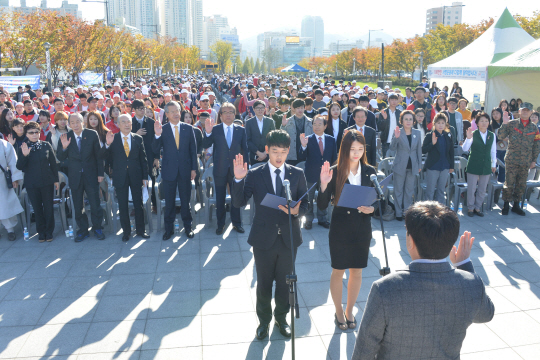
(339, 47)
(213, 27)
(64, 9)
(313, 27)
(446, 15)
(197, 22)
(231, 36)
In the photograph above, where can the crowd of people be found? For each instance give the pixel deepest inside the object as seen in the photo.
(254, 134)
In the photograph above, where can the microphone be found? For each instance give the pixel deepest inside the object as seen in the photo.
(287, 185)
(375, 182)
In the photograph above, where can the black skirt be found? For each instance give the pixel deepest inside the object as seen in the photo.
(349, 255)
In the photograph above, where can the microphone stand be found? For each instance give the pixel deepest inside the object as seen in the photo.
(385, 270)
(291, 281)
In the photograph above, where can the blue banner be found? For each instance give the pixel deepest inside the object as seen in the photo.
(90, 78)
(11, 83)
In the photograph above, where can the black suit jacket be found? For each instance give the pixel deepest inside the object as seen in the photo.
(223, 156)
(177, 161)
(371, 144)
(39, 166)
(148, 139)
(370, 121)
(384, 124)
(330, 131)
(268, 223)
(135, 164)
(433, 153)
(88, 162)
(255, 140)
(314, 159)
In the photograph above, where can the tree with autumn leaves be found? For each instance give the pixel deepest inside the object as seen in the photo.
(79, 45)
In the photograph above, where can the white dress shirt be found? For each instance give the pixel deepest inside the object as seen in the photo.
(361, 127)
(140, 121)
(393, 124)
(356, 179)
(468, 143)
(273, 174)
(317, 137)
(335, 128)
(122, 136)
(437, 261)
(260, 123)
(172, 129)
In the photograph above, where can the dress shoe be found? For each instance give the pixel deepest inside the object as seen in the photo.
(48, 238)
(41, 238)
(399, 218)
(239, 229)
(516, 209)
(284, 328)
(325, 224)
(470, 213)
(505, 208)
(479, 213)
(11, 236)
(220, 230)
(168, 235)
(125, 237)
(190, 234)
(262, 331)
(99, 234)
(81, 236)
(144, 235)
(308, 225)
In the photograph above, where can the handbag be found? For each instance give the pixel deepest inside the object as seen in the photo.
(7, 175)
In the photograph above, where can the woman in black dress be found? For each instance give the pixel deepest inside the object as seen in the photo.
(350, 230)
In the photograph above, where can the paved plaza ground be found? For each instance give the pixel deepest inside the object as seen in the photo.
(195, 298)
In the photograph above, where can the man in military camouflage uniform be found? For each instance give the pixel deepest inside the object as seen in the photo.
(523, 149)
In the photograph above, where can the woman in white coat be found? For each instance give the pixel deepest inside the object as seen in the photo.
(11, 206)
(407, 145)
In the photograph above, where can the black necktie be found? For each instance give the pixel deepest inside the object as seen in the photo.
(279, 184)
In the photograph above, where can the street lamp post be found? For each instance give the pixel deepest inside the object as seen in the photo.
(173, 66)
(151, 65)
(337, 49)
(121, 66)
(336, 70)
(47, 47)
(106, 2)
(369, 36)
(354, 66)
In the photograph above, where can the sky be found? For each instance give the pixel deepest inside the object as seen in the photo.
(351, 19)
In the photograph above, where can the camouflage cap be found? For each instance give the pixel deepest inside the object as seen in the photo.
(526, 105)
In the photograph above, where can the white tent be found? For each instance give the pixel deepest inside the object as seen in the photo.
(469, 65)
(516, 76)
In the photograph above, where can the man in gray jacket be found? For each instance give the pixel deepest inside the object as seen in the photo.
(423, 312)
(297, 124)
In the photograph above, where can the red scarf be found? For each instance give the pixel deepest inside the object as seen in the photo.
(525, 122)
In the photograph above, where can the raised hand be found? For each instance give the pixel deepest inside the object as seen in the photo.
(209, 125)
(469, 133)
(65, 141)
(25, 149)
(506, 117)
(195, 111)
(240, 167)
(397, 132)
(11, 139)
(433, 137)
(157, 128)
(326, 174)
(52, 129)
(463, 251)
(272, 111)
(383, 113)
(303, 140)
(284, 120)
(109, 138)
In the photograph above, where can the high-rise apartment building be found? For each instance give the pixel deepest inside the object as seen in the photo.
(197, 22)
(313, 27)
(446, 15)
(213, 26)
(64, 9)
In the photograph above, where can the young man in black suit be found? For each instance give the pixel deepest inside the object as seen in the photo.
(269, 233)
(144, 126)
(228, 140)
(257, 128)
(179, 166)
(85, 171)
(359, 116)
(316, 149)
(126, 152)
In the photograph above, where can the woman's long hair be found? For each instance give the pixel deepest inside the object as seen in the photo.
(330, 129)
(343, 161)
(101, 129)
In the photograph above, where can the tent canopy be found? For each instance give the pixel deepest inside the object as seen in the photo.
(500, 40)
(525, 59)
(294, 68)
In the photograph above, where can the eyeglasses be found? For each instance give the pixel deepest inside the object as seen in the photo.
(228, 112)
(32, 132)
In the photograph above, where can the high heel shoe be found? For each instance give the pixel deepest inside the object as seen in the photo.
(341, 326)
(350, 324)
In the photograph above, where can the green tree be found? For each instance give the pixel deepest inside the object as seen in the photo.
(246, 68)
(222, 53)
(251, 63)
(257, 67)
(530, 24)
(238, 63)
(263, 67)
(272, 58)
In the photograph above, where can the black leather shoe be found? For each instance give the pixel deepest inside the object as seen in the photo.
(80, 237)
(325, 224)
(308, 225)
(516, 209)
(125, 237)
(220, 230)
(190, 234)
(262, 331)
(505, 208)
(11, 236)
(284, 328)
(479, 213)
(239, 229)
(144, 235)
(399, 218)
(168, 235)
